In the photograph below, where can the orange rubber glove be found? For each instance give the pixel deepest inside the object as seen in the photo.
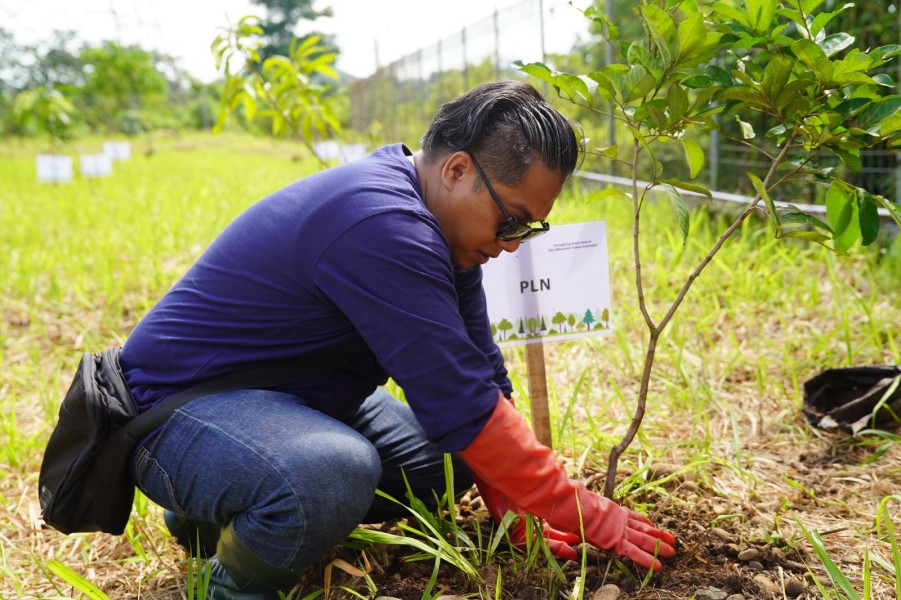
(499, 504)
(507, 456)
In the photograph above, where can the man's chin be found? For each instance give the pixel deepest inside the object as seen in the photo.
(459, 269)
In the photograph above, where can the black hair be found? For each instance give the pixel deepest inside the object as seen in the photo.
(507, 125)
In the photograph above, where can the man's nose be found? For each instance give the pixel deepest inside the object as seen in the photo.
(509, 245)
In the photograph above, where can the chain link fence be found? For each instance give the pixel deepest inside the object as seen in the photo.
(399, 99)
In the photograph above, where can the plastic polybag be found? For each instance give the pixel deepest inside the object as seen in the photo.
(854, 398)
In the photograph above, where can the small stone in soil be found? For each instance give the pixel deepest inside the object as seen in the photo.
(749, 554)
(765, 585)
(710, 593)
(736, 597)
(722, 534)
(794, 587)
(607, 592)
(755, 565)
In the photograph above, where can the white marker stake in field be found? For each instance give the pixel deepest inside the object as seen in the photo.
(117, 150)
(53, 168)
(555, 287)
(95, 165)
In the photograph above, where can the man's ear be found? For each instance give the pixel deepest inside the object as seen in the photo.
(456, 170)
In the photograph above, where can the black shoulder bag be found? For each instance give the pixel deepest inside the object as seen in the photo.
(84, 482)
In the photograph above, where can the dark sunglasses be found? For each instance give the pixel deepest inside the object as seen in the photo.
(514, 229)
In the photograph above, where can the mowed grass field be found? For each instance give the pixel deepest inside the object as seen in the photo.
(724, 441)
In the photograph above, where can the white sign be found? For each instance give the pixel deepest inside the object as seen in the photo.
(327, 150)
(54, 168)
(117, 150)
(553, 288)
(343, 153)
(95, 165)
(352, 152)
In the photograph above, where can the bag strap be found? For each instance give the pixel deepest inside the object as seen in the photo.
(276, 373)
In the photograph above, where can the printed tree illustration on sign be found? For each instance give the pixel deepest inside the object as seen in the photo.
(605, 318)
(588, 319)
(571, 321)
(504, 326)
(559, 319)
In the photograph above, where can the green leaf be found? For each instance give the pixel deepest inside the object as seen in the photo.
(770, 205)
(720, 75)
(663, 32)
(607, 151)
(689, 187)
(574, 86)
(869, 218)
(694, 155)
(820, 21)
(536, 69)
(796, 216)
(747, 131)
(850, 158)
(699, 82)
(730, 12)
(871, 118)
(637, 83)
(690, 33)
(761, 14)
(884, 79)
(835, 43)
(890, 125)
(679, 208)
(776, 76)
(677, 103)
(810, 236)
(78, 582)
(815, 58)
(841, 214)
(610, 194)
(601, 19)
(851, 107)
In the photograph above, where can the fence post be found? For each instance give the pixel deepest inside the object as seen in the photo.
(497, 47)
(465, 61)
(608, 60)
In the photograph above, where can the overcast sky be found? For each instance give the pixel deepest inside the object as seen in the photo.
(185, 28)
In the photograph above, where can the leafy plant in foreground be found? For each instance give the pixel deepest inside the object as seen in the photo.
(752, 61)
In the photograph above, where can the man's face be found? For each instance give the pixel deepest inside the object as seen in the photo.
(471, 219)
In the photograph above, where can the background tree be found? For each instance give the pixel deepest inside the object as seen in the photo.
(120, 82)
(280, 23)
(44, 110)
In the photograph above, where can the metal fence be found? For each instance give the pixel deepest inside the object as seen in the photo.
(397, 101)
(401, 96)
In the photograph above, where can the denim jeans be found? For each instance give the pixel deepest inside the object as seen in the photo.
(294, 481)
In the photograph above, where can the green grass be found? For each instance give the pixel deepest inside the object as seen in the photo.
(81, 262)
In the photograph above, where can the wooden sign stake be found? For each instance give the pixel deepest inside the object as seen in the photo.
(541, 419)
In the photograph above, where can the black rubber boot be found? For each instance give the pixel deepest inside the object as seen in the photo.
(236, 573)
(188, 533)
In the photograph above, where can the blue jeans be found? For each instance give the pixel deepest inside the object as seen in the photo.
(294, 481)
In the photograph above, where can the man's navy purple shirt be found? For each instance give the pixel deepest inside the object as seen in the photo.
(346, 260)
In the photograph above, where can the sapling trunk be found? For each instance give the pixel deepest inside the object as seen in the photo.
(655, 330)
